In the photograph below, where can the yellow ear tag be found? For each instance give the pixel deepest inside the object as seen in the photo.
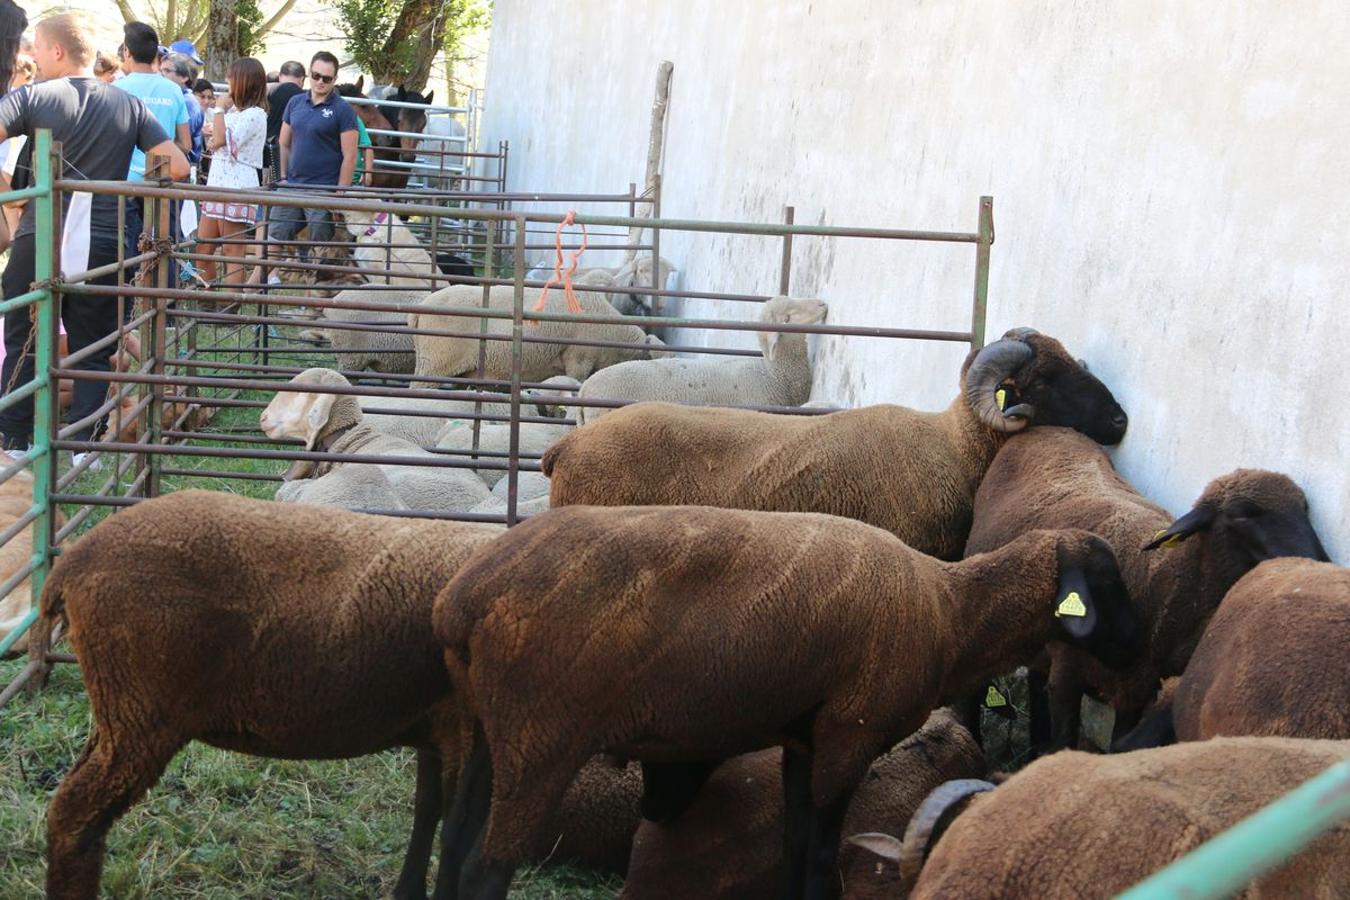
(993, 699)
(1072, 605)
(1170, 542)
(1001, 398)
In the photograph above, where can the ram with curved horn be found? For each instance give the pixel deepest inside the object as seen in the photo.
(911, 473)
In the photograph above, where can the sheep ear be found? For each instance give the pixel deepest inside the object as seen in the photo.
(1074, 607)
(768, 342)
(300, 469)
(882, 845)
(427, 99)
(320, 407)
(1198, 519)
(361, 84)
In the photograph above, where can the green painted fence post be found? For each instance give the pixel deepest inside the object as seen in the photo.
(45, 400)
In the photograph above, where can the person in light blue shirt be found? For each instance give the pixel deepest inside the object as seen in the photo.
(140, 60)
(164, 98)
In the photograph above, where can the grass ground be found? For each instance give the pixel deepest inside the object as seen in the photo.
(219, 824)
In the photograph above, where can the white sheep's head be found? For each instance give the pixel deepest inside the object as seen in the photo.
(302, 414)
(788, 311)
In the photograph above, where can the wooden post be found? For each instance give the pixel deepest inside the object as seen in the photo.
(656, 143)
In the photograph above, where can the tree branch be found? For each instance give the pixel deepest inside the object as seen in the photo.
(128, 14)
(276, 18)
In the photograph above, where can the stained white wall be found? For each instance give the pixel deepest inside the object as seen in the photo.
(1170, 181)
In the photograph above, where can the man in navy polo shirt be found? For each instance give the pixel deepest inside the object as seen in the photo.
(318, 147)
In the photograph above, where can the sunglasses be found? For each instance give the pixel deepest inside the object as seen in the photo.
(326, 79)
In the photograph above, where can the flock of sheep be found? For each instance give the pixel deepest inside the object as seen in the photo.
(724, 644)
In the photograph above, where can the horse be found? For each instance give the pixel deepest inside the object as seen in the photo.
(412, 121)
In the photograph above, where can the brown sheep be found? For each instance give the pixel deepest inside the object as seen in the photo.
(1056, 478)
(287, 631)
(912, 473)
(729, 843)
(1077, 825)
(684, 636)
(1274, 658)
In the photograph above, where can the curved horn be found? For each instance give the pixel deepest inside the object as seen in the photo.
(990, 367)
(1019, 333)
(931, 819)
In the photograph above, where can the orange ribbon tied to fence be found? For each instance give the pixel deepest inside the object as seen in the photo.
(559, 276)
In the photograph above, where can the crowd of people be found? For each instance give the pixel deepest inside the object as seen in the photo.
(113, 112)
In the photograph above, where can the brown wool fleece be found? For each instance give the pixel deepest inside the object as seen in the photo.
(729, 844)
(275, 629)
(676, 634)
(911, 473)
(1275, 659)
(1057, 478)
(1076, 825)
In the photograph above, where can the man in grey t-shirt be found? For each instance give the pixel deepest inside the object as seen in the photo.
(98, 127)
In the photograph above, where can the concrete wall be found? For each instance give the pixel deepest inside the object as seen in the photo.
(1169, 183)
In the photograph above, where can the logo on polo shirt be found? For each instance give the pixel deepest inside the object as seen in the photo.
(328, 114)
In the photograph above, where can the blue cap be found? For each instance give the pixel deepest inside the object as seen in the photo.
(184, 46)
(163, 51)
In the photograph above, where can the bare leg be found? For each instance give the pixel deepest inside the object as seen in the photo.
(234, 273)
(208, 230)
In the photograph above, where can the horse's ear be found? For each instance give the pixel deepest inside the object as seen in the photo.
(427, 101)
(401, 93)
(361, 84)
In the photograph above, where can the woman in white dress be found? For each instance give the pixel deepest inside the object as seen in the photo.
(238, 131)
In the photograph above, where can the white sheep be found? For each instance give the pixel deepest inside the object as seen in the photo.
(378, 351)
(781, 378)
(495, 437)
(458, 356)
(333, 423)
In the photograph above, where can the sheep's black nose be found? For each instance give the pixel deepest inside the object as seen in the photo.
(1120, 420)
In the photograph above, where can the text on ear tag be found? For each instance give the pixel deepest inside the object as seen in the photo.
(993, 699)
(1071, 605)
(1170, 542)
(1001, 398)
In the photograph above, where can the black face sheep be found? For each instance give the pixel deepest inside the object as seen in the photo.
(286, 631)
(1077, 825)
(912, 473)
(681, 637)
(1275, 659)
(729, 843)
(1056, 478)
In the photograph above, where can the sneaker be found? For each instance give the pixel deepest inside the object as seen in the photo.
(95, 466)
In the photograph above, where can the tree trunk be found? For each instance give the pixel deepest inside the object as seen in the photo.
(222, 39)
(418, 24)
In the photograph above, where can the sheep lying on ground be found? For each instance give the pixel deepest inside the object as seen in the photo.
(458, 356)
(781, 378)
(377, 351)
(407, 262)
(281, 631)
(332, 423)
(729, 843)
(403, 417)
(911, 473)
(1273, 661)
(1056, 478)
(495, 437)
(637, 272)
(733, 631)
(1078, 825)
(16, 497)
